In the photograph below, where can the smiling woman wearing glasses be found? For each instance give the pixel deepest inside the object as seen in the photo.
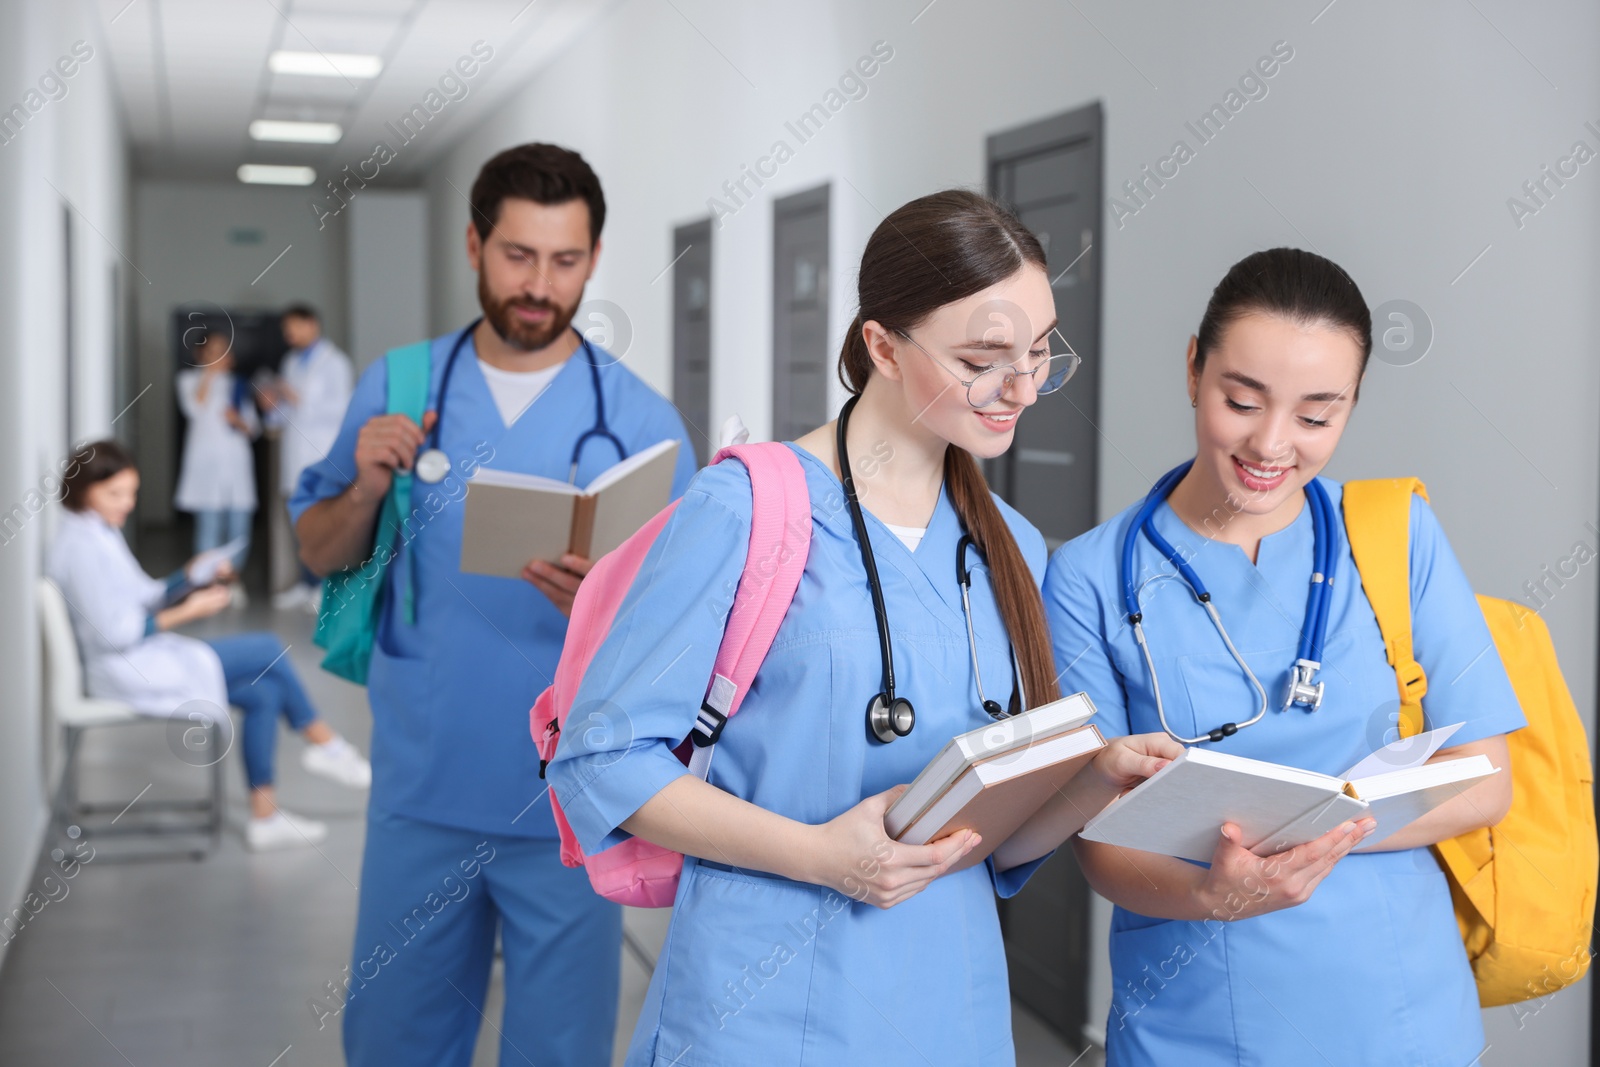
(801, 932)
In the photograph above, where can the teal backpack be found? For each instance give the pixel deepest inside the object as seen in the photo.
(352, 599)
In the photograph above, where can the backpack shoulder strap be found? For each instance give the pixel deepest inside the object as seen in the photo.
(409, 369)
(1377, 520)
(780, 537)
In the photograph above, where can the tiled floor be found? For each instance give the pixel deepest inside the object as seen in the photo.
(172, 963)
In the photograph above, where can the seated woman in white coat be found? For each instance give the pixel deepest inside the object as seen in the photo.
(217, 478)
(123, 617)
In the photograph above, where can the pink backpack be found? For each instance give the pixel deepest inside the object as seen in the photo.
(637, 872)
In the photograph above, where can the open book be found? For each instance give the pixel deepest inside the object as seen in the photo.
(1179, 810)
(513, 518)
(993, 778)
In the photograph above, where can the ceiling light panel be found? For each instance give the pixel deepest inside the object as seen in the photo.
(270, 174)
(325, 64)
(296, 132)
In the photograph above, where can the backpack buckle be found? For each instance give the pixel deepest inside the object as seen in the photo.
(708, 726)
(1410, 678)
(1413, 682)
(714, 711)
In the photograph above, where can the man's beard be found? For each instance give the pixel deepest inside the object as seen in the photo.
(528, 336)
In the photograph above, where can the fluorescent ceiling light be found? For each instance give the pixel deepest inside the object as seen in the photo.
(267, 174)
(325, 64)
(304, 132)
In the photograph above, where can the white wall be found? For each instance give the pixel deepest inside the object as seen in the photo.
(1389, 142)
(185, 255)
(76, 145)
(387, 259)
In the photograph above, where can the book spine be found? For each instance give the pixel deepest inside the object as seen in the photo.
(583, 525)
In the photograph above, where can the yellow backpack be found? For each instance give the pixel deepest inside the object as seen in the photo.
(1524, 889)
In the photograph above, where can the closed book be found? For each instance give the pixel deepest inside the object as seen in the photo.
(992, 779)
(512, 519)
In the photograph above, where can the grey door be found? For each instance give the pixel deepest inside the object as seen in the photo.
(1050, 173)
(691, 332)
(800, 357)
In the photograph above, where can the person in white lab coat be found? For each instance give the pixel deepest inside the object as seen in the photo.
(313, 389)
(123, 619)
(217, 480)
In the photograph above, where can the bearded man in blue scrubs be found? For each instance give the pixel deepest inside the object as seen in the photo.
(461, 844)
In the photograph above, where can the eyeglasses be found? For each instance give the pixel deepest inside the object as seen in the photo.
(991, 383)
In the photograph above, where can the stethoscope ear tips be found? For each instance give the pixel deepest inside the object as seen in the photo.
(887, 720)
(994, 709)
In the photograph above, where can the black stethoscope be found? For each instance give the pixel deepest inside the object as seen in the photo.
(890, 716)
(432, 464)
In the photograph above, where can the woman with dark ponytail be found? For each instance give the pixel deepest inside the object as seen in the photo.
(1314, 955)
(801, 933)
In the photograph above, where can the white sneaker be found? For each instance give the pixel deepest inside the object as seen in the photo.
(282, 830)
(339, 761)
(291, 598)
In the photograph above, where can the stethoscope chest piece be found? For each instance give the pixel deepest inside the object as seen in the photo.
(1303, 687)
(432, 466)
(889, 718)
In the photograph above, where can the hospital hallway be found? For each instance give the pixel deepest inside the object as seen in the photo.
(226, 961)
(422, 308)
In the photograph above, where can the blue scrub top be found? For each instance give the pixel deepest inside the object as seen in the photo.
(450, 695)
(757, 968)
(1371, 969)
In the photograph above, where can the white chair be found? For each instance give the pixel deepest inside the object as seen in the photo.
(75, 714)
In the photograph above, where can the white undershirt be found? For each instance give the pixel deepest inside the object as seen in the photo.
(910, 536)
(514, 390)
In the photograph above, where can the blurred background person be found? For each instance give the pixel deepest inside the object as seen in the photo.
(122, 618)
(309, 396)
(217, 478)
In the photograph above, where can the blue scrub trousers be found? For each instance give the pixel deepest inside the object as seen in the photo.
(425, 942)
(262, 683)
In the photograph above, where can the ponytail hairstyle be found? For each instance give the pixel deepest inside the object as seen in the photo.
(1301, 286)
(930, 252)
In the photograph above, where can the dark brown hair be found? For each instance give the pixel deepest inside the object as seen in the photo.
(91, 464)
(300, 311)
(543, 173)
(931, 252)
(1301, 286)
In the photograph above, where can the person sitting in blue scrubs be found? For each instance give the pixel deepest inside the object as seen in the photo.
(456, 784)
(1317, 955)
(801, 933)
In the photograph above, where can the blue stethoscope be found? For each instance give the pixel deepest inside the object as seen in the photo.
(432, 464)
(1303, 688)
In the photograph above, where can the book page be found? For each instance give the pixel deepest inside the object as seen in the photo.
(616, 472)
(203, 568)
(630, 499)
(1411, 751)
(518, 480)
(1401, 798)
